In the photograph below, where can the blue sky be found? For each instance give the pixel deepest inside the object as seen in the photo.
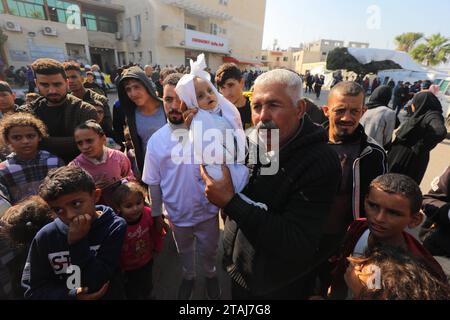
(295, 21)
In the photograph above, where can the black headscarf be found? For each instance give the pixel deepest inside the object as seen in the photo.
(380, 97)
(424, 103)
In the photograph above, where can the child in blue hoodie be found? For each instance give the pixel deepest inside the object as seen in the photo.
(86, 238)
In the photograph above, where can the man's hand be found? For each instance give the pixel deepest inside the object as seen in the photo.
(188, 115)
(218, 192)
(159, 224)
(82, 293)
(79, 228)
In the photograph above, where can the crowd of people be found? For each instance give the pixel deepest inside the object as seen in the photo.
(88, 193)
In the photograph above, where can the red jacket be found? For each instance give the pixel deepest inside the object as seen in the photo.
(339, 288)
(141, 241)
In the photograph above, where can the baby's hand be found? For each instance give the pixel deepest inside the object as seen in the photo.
(188, 116)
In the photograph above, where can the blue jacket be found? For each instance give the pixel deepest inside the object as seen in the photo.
(97, 255)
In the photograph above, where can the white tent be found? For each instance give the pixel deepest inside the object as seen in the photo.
(368, 55)
(411, 70)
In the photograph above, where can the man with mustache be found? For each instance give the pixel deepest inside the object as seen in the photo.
(194, 221)
(270, 244)
(61, 112)
(362, 160)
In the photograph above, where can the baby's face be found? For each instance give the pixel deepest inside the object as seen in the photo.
(206, 98)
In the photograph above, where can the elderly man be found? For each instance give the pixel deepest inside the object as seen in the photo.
(270, 244)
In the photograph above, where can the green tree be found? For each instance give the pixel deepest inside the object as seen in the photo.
(434, 51)
(406, 41)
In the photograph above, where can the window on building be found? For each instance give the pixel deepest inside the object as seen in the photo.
(127, 27)
(190, 26)
(278, 58)
(140, 56)
(327, 43)
(27, 8)
(285, 59)
(58, 10)
(264, 58)
(150, 57)
(131, 55)
(337, 44)
(214, 28)
(106, 24)
(90, 21)
(137, 24)
(324, 53)
(224, 2)
(99, 23)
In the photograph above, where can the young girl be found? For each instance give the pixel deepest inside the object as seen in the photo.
(107, 166)
(141, 240)
(18, 226)
(110, 142)
(215, 112)
(25, 168)
(390, 273)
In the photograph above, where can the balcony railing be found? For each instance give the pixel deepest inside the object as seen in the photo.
(199, 10)
(102, 5)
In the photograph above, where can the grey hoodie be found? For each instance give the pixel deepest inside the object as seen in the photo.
(129, 108)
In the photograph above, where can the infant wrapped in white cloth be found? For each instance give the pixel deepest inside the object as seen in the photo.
(216, 113)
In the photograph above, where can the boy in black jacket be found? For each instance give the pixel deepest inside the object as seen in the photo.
(86, 238)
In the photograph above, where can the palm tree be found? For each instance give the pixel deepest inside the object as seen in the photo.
(406, 41)
(434, 51)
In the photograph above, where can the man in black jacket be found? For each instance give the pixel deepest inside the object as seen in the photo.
(61, 112)
(270, 242)
(362, 160)
(75, 81)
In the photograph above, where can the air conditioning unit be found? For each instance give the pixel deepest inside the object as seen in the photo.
(12, 26)
(118, 36)
(50, 31)
(137, 37)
